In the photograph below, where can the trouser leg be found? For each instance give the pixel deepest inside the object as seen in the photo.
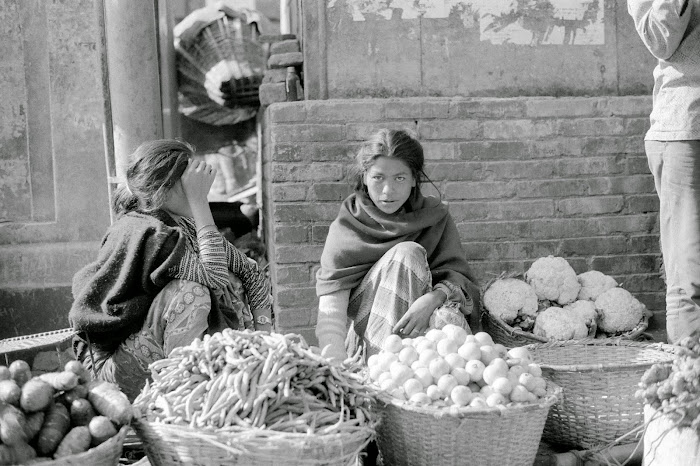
(676, 169)
(400, 277)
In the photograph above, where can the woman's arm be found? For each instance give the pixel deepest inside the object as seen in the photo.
(455, 295)
(331, 327)
(208, 261)
(661, 24)
(416, 320)
(211, 256)
(255, 282)
(205, 260)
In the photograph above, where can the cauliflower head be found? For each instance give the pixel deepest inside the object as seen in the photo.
(619, 311)
(593, 283)
(553, 279)
(584, 310)
(556, 323)
(510, 298)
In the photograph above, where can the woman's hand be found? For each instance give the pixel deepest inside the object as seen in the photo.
(196, 183)
(417, 318)
(335, 353)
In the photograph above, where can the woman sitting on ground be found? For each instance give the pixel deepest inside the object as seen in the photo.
(393, 261)
(164, 275)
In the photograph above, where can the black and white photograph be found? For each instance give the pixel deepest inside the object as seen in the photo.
(350, 232)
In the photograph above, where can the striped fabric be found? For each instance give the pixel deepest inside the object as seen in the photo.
(400, 277)
(209, 258)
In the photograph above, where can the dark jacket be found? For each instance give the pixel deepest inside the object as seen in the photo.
(112, 295)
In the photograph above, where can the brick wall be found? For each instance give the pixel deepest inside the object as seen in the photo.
(524, 178)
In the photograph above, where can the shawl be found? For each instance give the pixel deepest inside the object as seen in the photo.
(112, 295)
(361, 234)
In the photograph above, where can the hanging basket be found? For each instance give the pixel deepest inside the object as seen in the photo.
(220, 64)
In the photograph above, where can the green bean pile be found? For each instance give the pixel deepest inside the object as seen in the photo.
(251, 379)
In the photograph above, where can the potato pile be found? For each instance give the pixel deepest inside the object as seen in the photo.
(448, 367)
(56, 414)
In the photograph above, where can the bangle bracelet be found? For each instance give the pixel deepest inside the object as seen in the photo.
(263, 320)
(205, 226)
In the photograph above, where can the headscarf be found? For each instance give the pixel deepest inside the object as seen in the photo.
(361, 234)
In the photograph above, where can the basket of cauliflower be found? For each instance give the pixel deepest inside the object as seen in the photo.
(551, 302)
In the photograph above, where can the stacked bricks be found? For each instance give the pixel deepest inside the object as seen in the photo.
(284, 56)
(523, 177)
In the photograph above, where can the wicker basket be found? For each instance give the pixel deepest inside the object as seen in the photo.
(36, 341)
(26, 346)
(508, 336)
(414, 435)
(512, 337)
(220, 64)
(167, 445)
(105, 454)
(599, 379)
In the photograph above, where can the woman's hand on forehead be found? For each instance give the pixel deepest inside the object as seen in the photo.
(197, 180)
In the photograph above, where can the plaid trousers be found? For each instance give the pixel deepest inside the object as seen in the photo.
(400, 277)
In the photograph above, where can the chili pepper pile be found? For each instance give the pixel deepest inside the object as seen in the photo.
(253, 379)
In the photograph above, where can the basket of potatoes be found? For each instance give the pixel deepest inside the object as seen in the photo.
(60, 418)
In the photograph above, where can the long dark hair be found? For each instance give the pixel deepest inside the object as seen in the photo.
(389, 143)
(154, 167)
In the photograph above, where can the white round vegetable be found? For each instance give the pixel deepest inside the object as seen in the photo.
(553, 279)
(508, 298)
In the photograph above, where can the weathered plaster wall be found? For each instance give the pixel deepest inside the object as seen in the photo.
(523, 177)
(53, 190)
(501, 48)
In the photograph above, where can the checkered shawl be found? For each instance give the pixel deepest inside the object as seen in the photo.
(362, 233)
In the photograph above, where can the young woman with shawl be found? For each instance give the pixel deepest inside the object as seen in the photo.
(164, 275)
(393, 261)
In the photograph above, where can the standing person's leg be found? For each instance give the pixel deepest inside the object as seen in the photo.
(676, 169)
(400, 277)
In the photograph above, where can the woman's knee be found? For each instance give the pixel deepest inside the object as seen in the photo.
(180, 294)
(177, 305)
(187, 297)
(179, 287)
(412, 256)
(408, 250)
